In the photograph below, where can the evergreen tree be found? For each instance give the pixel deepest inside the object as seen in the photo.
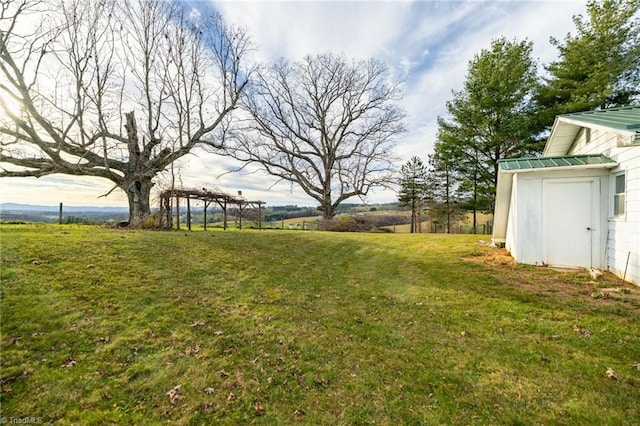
(490, 119)
(442, 184)
(413, 189)
(599, 67)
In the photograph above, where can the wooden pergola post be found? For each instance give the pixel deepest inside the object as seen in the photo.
(206, 205)
(224, 215)
(188, 212)
(177, 211)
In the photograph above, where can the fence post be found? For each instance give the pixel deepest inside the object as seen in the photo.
(60, 215)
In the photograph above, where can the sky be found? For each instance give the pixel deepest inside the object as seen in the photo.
(427, 44)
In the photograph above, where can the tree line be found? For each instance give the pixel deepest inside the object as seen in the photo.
(121, 90)
(506, 107)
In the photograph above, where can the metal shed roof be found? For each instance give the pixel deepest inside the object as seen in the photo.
(623, 118)
(513, 165)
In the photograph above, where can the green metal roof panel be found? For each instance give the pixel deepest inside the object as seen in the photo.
(512, 164)
(623, 118)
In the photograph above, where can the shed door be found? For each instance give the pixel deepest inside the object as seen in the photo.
(569, 219)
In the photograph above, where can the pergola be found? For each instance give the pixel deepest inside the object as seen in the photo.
(208, 197)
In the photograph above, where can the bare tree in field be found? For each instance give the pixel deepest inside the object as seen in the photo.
(325, 124)
(116, 90)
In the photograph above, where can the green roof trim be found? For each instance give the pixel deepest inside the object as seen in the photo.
(623, 118)
(516, 164)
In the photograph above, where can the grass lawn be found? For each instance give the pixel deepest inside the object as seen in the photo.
(284, 327)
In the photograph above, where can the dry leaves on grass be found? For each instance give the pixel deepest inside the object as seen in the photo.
(173, 394)
(194, 351)
(582, 331)
(207, 407)
(69, 362)
(258, 407)
(611, 374)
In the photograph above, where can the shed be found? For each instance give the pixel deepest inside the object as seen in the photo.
(577, 206)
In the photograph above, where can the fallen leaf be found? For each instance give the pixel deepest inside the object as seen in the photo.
(207, 407)
(581, 330)
(192, 350)
(637, 365)
(259, 408)
(209, 390)
(611, 374)
(231, 396)
(198, 324)
(70, 362)
(173, 394)
(465, 334)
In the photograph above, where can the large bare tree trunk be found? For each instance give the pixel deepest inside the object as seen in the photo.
(139, 195)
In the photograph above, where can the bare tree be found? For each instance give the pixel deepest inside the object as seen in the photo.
(75, 74)
(324, 124)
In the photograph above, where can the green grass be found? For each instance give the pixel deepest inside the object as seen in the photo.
(279, 327)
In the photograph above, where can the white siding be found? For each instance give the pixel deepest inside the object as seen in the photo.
(601, 143)
(623, 248)
(623, 236)
(530, 223)
(512, 221)
(525, 238)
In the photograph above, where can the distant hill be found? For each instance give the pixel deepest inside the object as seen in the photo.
(14, 212)
(16, 207)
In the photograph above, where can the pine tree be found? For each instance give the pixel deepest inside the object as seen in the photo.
(490, 119)
(599, 67)
(413, 189)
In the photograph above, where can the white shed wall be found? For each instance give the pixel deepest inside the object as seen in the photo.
(623, 236)
(526, 236)
(530, 219)
(512, 221)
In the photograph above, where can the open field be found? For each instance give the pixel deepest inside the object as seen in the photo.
(460, 227)
(282, 327)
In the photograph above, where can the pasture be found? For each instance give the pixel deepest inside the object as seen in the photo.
(283, 327)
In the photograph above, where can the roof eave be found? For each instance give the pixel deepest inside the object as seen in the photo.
(557, 145)
(562, 168)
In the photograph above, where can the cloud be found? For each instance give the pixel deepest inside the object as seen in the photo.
(428, 44)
